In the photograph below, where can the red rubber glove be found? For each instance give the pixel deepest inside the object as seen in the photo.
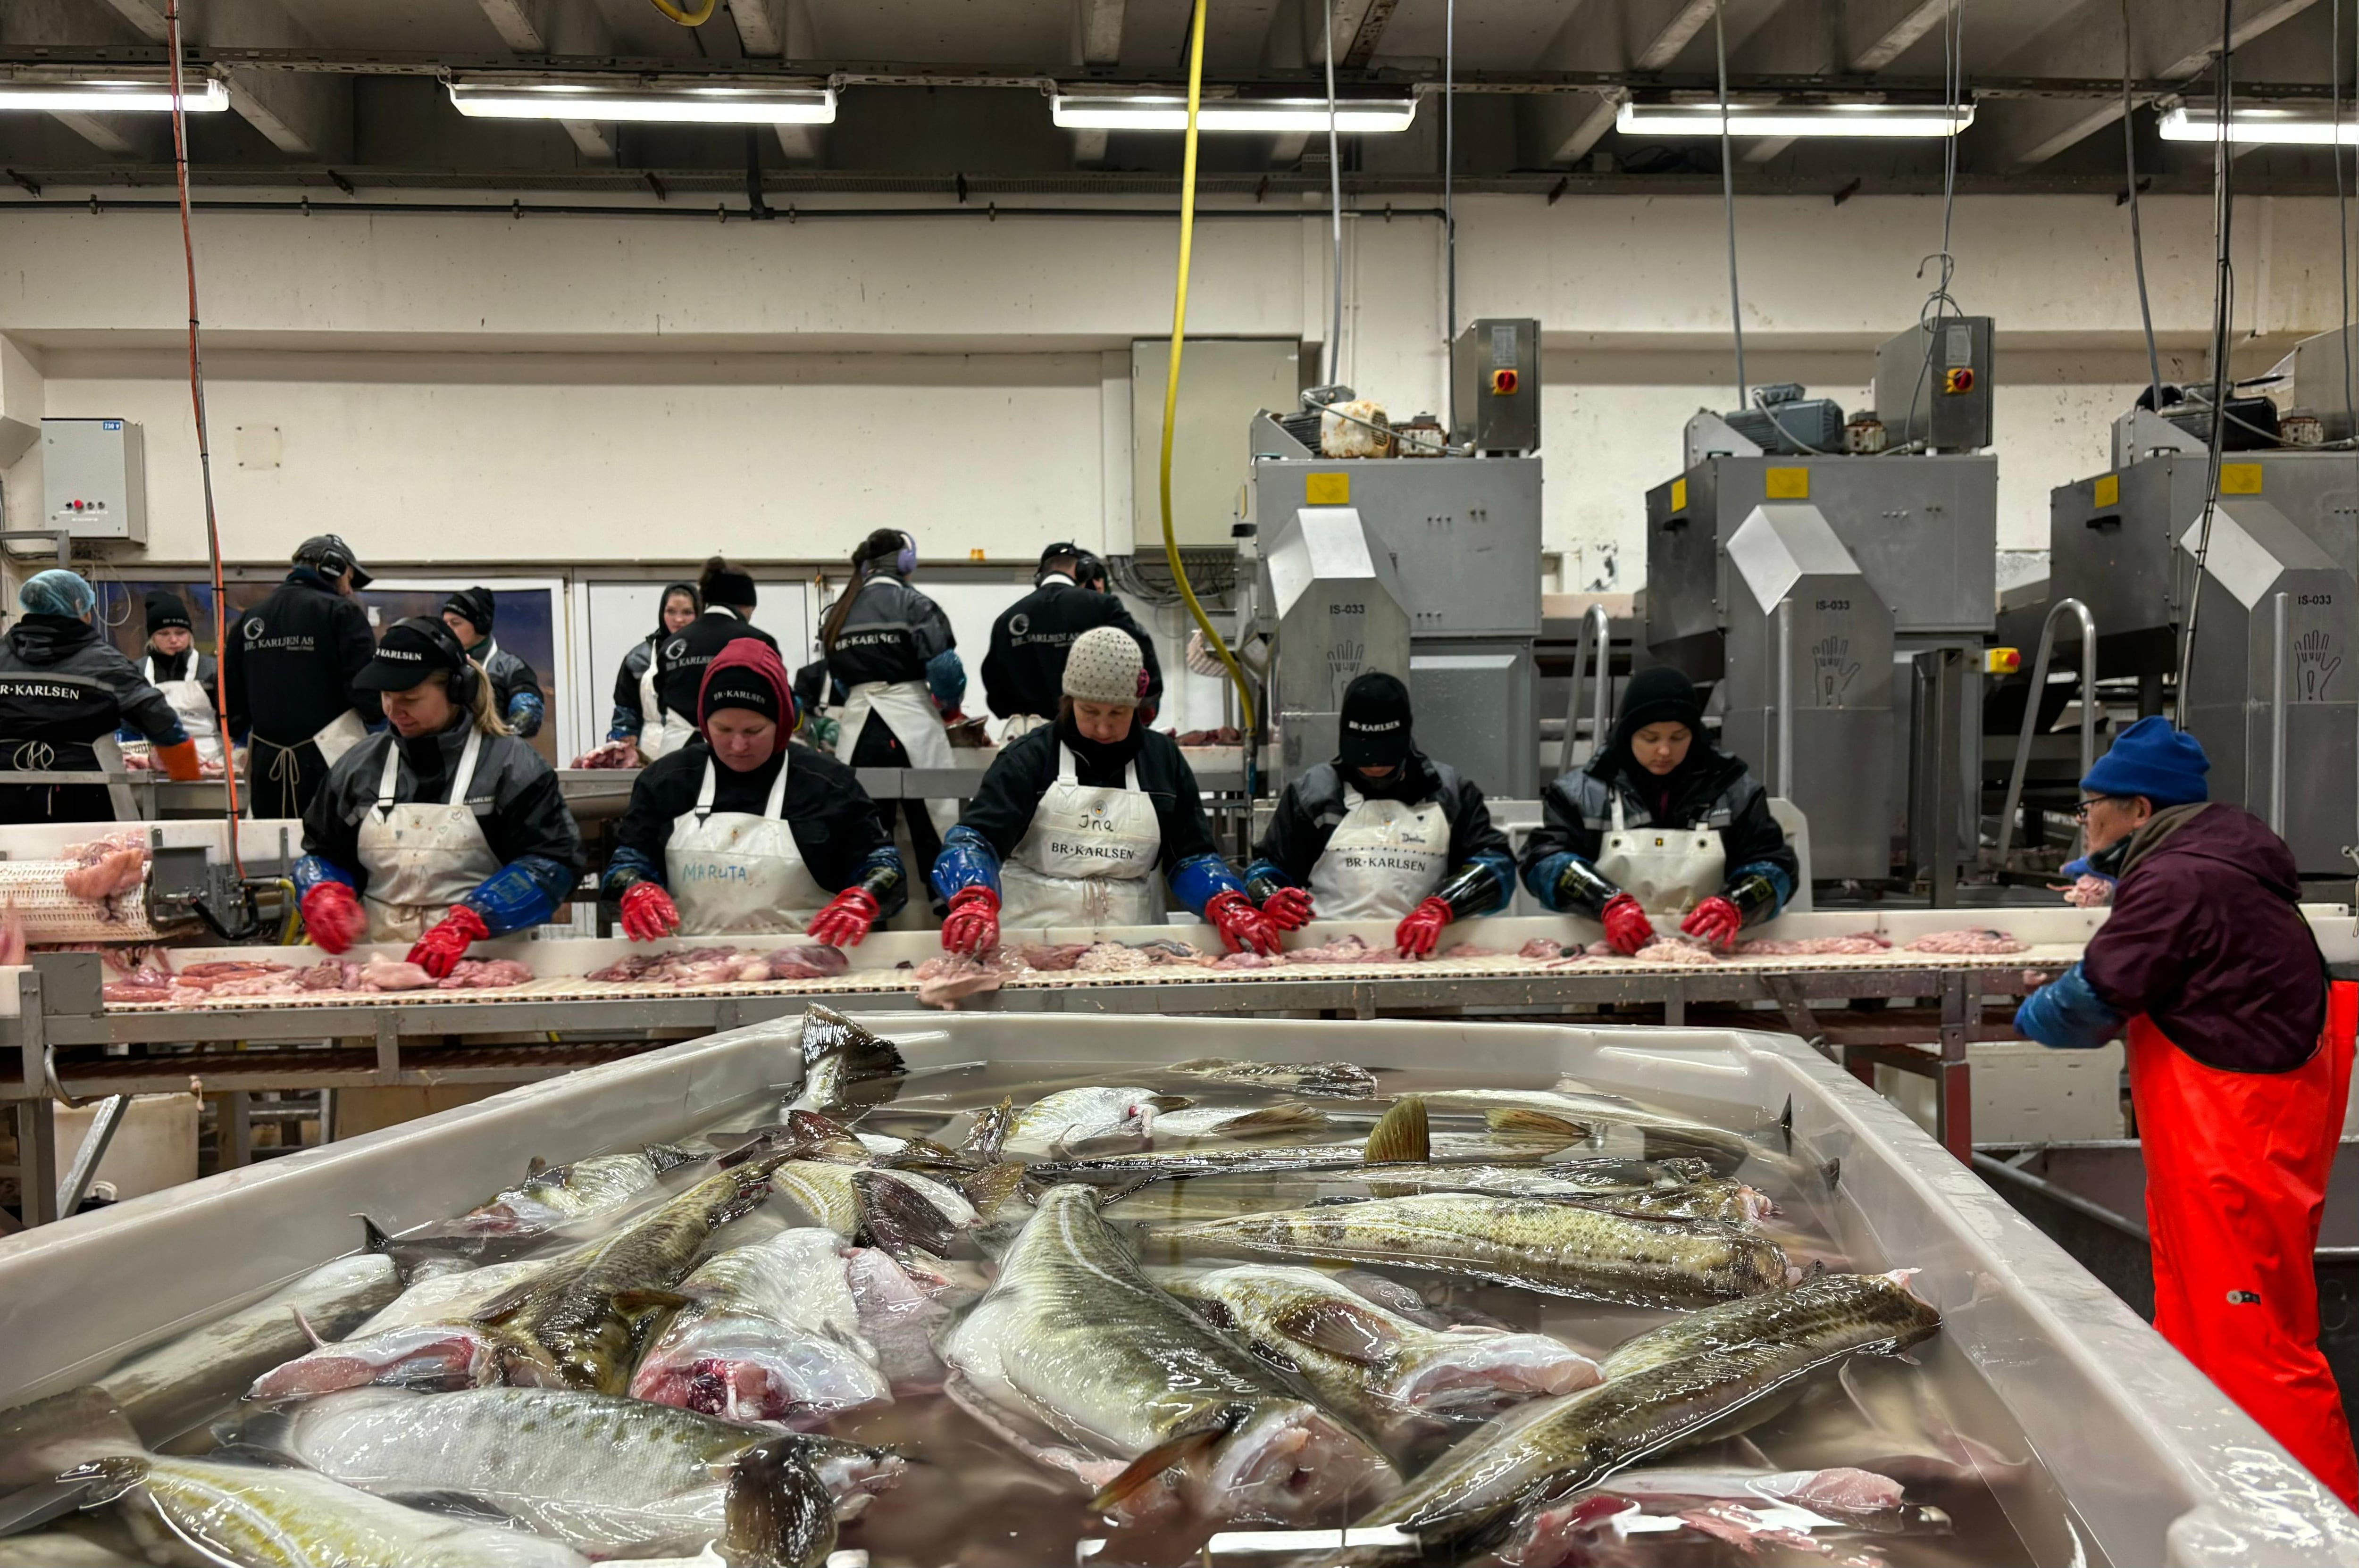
(846, 920)
(180, 762)
(1714, 921)
(1627, 926)
(334, 916)
(974, 923)
(1420, 929)
(1241, 924)
(1289, 908)
(447, 941)
(647, 912)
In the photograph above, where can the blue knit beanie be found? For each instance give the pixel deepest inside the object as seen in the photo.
(2151, 758)
(56, 592)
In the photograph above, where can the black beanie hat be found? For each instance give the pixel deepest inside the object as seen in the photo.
(1657, 695)
(166, 610)
(1375, 733)
(475, 605)
(738, 686)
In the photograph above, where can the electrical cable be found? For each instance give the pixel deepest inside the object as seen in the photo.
(1171, 386)
(2342, 222)
(1728, 197)
(2137, 230)
(1940, 302)
(686, 19)
(205, 446)
(2223, 280)
(1335, 208)
(1449, 211)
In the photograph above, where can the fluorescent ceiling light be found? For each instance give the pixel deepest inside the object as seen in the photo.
(115, 94)
(1169, 111)
(687, 101)
(2292, 127)
(1794, 119)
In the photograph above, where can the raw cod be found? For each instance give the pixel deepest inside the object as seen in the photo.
(557, 1195)
(1336, 1080)
(845, 1064)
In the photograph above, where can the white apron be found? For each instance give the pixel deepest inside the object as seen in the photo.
(1668, 870)
(344, 733)
(422, 859)
(192, 705)
(1382, 860)
(1088, 858)
(661, 732)
(732, 872)
(908, 712)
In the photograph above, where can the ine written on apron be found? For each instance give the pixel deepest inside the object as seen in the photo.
(1089, 857)
(732, 872)
(192, 705)
(908, 709)
(661, 732)
(422, 859)
(1668, 870)
(1382, 860)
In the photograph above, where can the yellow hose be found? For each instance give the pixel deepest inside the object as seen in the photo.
(1171, 386)
(687, 19)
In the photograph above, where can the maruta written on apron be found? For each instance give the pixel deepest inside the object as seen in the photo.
(1382, 860)
(661, 732)
(422, 859)
(908, 709)
(731, 873)
(1666, 869)
(192, 705)
(1089, 857)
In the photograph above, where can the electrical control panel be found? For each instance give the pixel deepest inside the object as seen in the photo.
(1496, 367)
(94, 478)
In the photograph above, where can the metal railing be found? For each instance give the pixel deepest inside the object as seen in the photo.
(1595, 636)
(2032, 713)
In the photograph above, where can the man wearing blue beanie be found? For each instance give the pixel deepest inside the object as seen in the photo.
(2239, 1062)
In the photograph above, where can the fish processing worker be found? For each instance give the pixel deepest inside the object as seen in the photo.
(444, 829)
(62, 687)
(1024, 673)
(640, 717)
(184, 672)
(1384, 832)
(729, 599)
(1072, 822)
(287, 674)
(2239, 1062)
(1660, 821)
(742, 831)
(517, 696)
(891, 651)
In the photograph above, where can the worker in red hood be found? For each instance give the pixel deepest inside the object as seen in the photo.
(2239, 1058)
(745, 832)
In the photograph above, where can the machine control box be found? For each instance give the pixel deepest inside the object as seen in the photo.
(1495, 367)
(1933, 384)
(94, 478)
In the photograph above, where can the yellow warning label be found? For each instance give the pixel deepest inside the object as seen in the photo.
(2240, 479)
(2107, 490)
(1786, 484)
(1327, 490)
(1679, 496)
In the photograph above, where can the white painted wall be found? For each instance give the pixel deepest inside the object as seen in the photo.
(554, 392)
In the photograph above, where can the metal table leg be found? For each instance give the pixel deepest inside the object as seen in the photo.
(236, 1138)
(75, 1186)
(37, 1159)
(1953, 1101)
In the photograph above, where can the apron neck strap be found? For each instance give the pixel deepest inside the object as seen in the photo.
(1616, 793)
(1068, 771)
(1353, 799)
(460, 781)
(147, 669)
(777, 803)
(704, 793)
(773, 808)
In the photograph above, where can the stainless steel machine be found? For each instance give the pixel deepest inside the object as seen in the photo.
(1460, 539)
(1915, 523)
(1330, 589)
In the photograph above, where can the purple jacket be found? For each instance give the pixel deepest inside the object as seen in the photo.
(2205, 940)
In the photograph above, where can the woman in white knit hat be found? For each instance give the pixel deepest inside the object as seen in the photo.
(1074, 821)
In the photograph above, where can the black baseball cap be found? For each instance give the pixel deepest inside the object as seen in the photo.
(1376, 729)
(329, 553)
(409, 653)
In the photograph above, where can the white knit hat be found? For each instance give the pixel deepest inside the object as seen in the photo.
(1103, 666)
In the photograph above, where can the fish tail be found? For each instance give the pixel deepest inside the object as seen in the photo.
(778, 1513)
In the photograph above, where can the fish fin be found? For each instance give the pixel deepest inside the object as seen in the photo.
(1214, 1310)
(447, 1503)
(526, 1364)
(107, 1478)
(1110, 1196)
(305, 1325)
(1402, 1134)
(1288, 1116)
(989, 1133)
(1169, 1102)
(924, 1151)
(645, 1300)
(1517, 1119)
(374, 1238)
(897, 1218)
(1163, 1457)
(1832, 1170)
(863, 1057)
(535, 1166)
(1356, 1334)
(777, 1511)
(817, 1136)
(669, 1156)
(1785, 1123)
(990, 1188)
(507, 1304)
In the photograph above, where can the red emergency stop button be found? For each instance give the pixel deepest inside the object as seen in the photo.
(1960, 379)
(1504, 382)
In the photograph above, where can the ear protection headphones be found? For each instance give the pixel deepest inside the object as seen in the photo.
(331, 560)
(464, 679)
(906, 561)
(1090, 571)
